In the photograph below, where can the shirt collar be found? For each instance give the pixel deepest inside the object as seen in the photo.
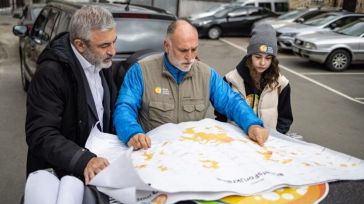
(177, 74)
(86, 65)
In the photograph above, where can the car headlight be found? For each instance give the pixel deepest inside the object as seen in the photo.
(309, 45)
(289, 34)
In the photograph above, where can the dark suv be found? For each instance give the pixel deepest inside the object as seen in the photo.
(140, 30)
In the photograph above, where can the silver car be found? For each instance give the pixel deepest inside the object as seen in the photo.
(296, 16)
(337, 49)
(323, 22)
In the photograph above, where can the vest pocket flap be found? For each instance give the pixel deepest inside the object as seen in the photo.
(161, 106)
(200, 107)
(189, 108)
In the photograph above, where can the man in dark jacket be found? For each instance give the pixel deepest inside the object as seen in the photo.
(71, 92)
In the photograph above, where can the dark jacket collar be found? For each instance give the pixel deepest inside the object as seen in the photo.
(243, 71)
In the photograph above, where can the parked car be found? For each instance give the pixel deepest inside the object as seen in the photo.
(326, 21)
(27, 17)
(278, 6)
(296, 16)
(139, 28)
(337, 49)
(231, 19)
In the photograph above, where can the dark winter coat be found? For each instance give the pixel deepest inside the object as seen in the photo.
(61, 111)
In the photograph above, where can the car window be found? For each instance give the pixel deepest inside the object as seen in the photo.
(40, 23)
(239, 12)
(137, 33)
(355, 28)
(35, 12)
(321, 19)
(291, 15)
(281, 6)
(63, 23)
(343, 21)
(265, 5)
(311, 14)
(52, 19)
(222, 13)
(256, 12)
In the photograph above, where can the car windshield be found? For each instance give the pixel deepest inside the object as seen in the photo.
(36, 11)
(139, 33)
(355, 28)
(321, 19)
(223, 12)
(291, 15)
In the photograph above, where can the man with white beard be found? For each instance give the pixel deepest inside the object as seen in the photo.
(174, 87)
(70, 93)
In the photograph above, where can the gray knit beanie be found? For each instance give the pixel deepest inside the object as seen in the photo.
(263, 40)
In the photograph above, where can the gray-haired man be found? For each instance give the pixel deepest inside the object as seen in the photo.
(72, 91)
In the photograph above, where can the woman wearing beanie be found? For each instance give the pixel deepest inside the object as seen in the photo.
(258, 80)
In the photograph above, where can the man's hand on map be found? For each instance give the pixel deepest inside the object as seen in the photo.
(139, 141)
(93, 167)
(258, 134)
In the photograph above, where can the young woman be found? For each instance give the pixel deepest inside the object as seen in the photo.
(258, 80)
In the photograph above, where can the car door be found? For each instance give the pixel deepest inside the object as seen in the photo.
(40, 36)
(236, 21)
(360, 55)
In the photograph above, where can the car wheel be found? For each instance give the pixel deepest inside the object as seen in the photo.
(214, 32)
(24, 80)
(338, 61)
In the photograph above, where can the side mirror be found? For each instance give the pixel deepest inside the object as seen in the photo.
(20, 30)
(300, 20)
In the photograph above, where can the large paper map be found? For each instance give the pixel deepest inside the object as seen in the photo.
(208, 159)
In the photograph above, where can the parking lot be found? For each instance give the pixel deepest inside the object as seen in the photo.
(328, 107)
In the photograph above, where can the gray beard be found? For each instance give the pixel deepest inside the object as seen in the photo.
(96, 60)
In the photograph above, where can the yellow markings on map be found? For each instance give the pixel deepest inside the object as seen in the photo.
(286, 161)
(162, 168)
(140, 166)
(204, 138)
(210, 164)
(354, 164)
(148, 156)
(266, 154)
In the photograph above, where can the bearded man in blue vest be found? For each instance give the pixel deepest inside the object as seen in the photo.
(174, 87)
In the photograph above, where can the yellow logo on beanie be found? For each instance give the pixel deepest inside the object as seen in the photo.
(263, 48)
(266, 49)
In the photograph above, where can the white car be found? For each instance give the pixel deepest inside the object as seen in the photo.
(337, 49)
(324, 22)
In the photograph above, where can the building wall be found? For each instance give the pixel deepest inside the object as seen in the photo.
(326, 3)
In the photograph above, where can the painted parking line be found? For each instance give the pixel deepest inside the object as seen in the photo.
(331, 73)
(303, 76)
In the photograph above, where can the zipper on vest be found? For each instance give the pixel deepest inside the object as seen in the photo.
(178, 103)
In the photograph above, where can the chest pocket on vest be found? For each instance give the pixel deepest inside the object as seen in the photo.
(161, 112)
(195, 111)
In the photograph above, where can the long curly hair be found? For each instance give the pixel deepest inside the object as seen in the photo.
(269, 76)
